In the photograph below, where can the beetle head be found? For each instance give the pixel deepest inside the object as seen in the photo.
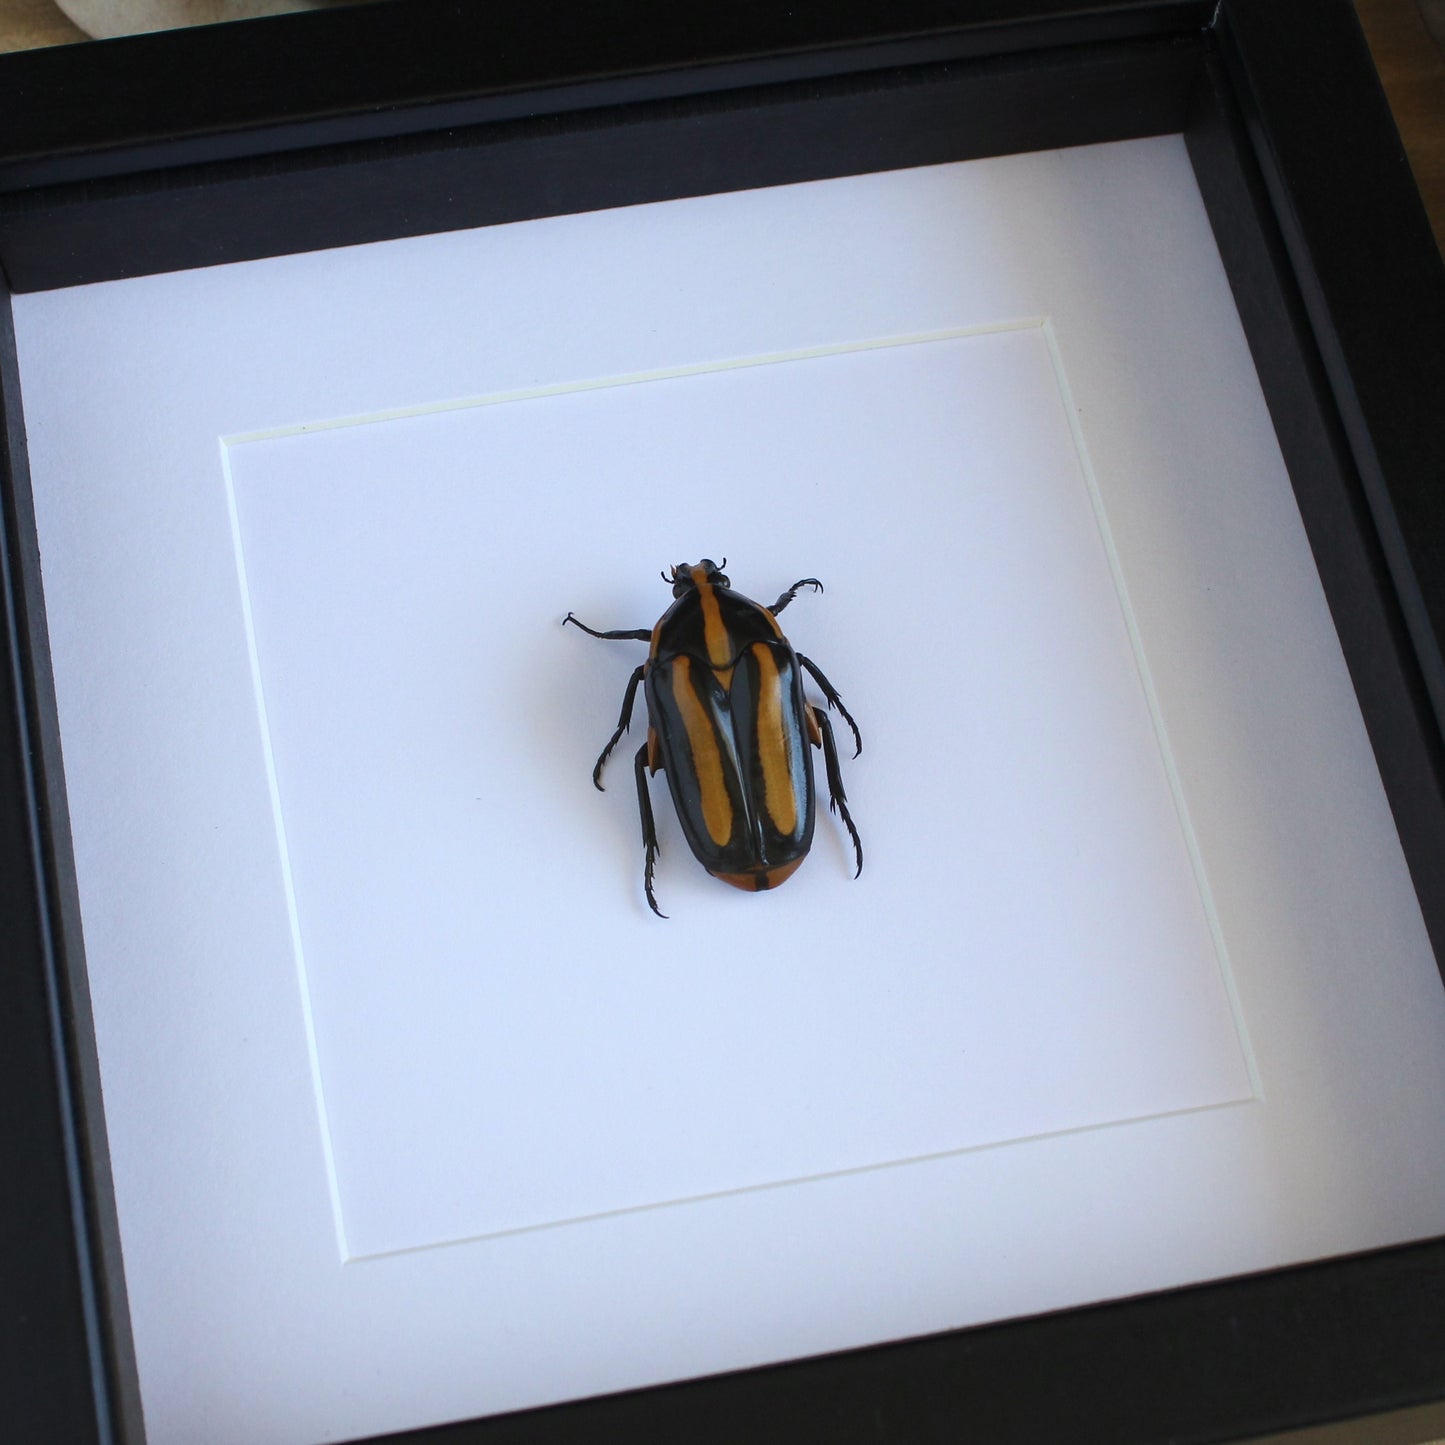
(683, 576)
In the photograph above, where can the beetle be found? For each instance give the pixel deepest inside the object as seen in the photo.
(728, 724)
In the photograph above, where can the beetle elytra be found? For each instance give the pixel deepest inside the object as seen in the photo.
(728, 723)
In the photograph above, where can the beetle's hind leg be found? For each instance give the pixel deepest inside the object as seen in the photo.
(649, 828)
(837, 798)
(792, 592)
(831, 693)
(624, 721)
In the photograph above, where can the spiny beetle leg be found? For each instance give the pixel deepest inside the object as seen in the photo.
(837, 798)
(649, 828)
(831, 693)
(792, 592)
(624, 721)
(635, 634)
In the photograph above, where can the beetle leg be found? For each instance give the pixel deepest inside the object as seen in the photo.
(792, 592)
(635, 634)
(837, 798)
(649, 828)
(624, 721)
(831, 693)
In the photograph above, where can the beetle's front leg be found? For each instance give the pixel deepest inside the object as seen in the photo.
(831, 693)
(837, 798)
(649, 827)
(624, 721)
(792, 592)
(633, 634)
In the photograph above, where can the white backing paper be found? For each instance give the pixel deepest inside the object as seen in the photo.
(504, 1038)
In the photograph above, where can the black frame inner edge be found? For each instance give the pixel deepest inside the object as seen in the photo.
(647, 150)
(78, 115)
(910, 1391)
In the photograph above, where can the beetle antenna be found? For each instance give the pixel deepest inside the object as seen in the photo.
(664, 576)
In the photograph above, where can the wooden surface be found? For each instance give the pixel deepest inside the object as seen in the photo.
(24, 24)
(1411, 62)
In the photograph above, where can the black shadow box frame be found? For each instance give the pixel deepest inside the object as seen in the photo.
(198, 147)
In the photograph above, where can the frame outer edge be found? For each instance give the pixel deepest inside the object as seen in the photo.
(284, 82)
(1348, 553)
(64, 1324)
(1370, 276)
(516, 170)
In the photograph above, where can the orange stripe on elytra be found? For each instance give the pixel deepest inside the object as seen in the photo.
(717, 807)
(714, 632)
(773, 750)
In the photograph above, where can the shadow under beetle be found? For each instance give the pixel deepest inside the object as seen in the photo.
(728, 723)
